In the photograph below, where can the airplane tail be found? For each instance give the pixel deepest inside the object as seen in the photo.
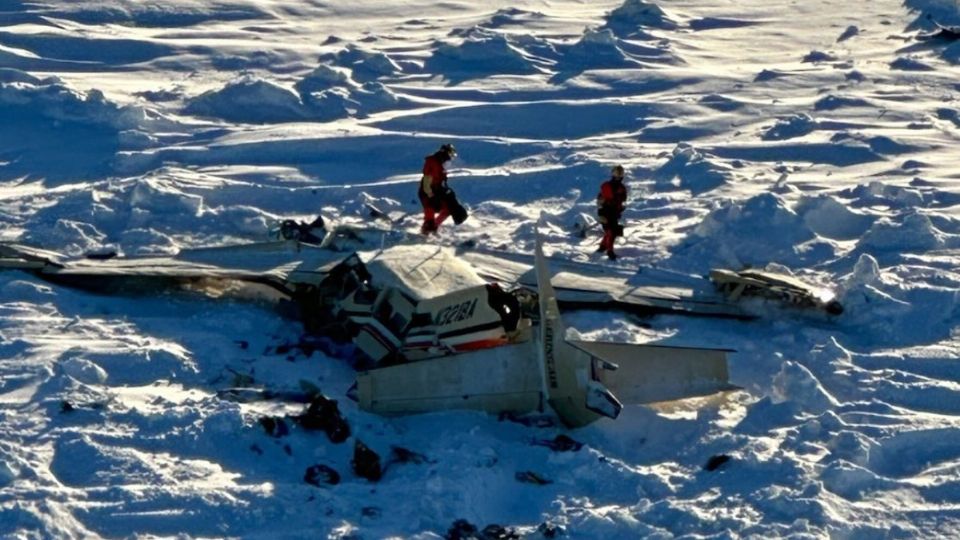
(570, 382)
(585, 380)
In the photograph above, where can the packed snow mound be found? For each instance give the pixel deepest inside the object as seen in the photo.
(328, 93)
(830, 217)
(797, 125)
(73, 237)
(897, 305)
(323, 77)
(480, 54)
(729, 236)
(688, 168)
(634, 15)
(816, 57)
(952, 53)
(849, 32)
(596, 49)
(251, 100)
(910, 63)
(130, 215)
(159, 196)
(151, 13)
(832, 102)
(881, 194)
(769, 75)
(720, 102)
(931, 13)
(364, 65)
(514, 16)
(796, 385)
(83, 370)
(53, 100)
(915, 232)
(879, 144)
(10, 75)
(263, 60)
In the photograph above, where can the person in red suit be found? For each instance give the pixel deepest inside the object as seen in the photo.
(434, 193)
(610, 204)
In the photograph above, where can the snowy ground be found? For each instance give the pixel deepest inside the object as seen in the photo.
(817, 136)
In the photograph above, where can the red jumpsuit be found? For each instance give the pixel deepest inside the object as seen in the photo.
(433, 184)
(610, 204)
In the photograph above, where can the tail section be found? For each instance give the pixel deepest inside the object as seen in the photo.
(585, 380)
(570, 381)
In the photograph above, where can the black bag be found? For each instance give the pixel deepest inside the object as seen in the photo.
(457, 211)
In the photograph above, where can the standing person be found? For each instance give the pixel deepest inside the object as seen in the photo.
(433, 188)
(610, 204)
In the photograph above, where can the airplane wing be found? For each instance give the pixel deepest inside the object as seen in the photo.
(593, 286)
(281, 265)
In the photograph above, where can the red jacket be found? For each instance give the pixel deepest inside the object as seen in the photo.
(434, 176)
(612, 198)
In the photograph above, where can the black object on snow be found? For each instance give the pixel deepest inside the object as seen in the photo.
(403, 455)
(321, 474)
(498, 532)
(549, 530)
(323, 414)
(715, 462)
(101, 256)
(366, 462)
(462, 530)
(531, 477)
(457, 211)
(311, 233)
(560, 443)
(274, 426)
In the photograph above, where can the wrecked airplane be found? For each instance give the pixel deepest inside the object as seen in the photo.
(435, 330)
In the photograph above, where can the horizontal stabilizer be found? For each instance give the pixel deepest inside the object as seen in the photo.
(653, 373)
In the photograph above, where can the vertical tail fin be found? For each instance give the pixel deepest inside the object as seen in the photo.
(569, 375)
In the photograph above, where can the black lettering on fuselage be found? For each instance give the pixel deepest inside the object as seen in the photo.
(455, 313)
(549, 360)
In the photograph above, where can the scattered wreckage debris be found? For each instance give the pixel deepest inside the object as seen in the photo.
(323, 414)
(775, 286)
(560, 443)
(366, 462)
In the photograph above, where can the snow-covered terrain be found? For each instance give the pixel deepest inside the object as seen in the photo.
(818, 137)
